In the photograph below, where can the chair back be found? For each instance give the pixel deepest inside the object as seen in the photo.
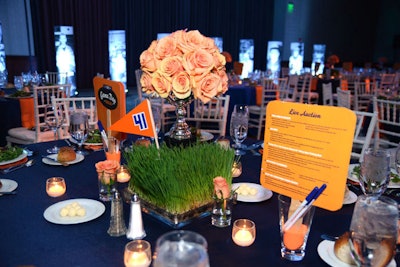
(282, 84)
(56, 77)
(363, 95)
(42, 96)
(304, 83)
(238, 67)
(327, 97)
(211, 116)
(71, 104)
(270, 92)
(387, 130)
(343, 98)
(291, 91)
(365, 126)
(387, 82)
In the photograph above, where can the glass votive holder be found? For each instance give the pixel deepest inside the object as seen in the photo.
(137, 254)
(244, 232)
(123, 175)
(55, 186)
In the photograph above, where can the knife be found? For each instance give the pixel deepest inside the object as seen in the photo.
(55, 160)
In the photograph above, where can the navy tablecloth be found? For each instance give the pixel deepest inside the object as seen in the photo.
(28, 239)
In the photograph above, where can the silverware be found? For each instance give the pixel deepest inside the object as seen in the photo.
(255, 153)
(55, 160)
(26, 164)
(254, 146)
(329, 237)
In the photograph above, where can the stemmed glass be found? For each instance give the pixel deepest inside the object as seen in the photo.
(156, 117)
(239, 126)
(18, 82)
(54, 118)
(375, 172)
(373, 230)
(79, 128)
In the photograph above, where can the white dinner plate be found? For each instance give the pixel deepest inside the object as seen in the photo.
(354, 178)
(349, 198)
(262, 193)
(78, 158)
(20, 157)
(94, 209)
(72, 140)
(325, 251)
(206, 136)
(8, 185)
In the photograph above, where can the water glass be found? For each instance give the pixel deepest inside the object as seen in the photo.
(373, 230)
(294, 239)
(18, 82)
(375, 172)
(239, 127)
(181, 249)
(79, 128)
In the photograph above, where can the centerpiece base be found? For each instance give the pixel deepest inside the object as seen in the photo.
(173, 142)
(175, 221)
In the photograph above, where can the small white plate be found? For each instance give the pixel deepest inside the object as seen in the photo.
(94, 209)
(326, 252)
(8, 185)
(206, 136)
(262, 193)
(354, 178)
(349, 198)
(20, 157)
(79, 158)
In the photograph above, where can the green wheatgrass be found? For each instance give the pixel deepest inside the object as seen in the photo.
(178, 179)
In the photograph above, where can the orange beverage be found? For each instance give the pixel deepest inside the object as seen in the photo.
(293, 238)
(114, 156)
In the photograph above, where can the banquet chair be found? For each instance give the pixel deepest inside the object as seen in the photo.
(327, 98)
(387, 130)
(363, 95)
(56, 77)
(71, 104)
(343, 98)
(282, 84)
(306, 96)
(211, 116)
(290, 93)
(40, 132)
(257, 113)
(365, 126)
(387, 82)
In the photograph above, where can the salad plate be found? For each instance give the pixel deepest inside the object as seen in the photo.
(23, 155)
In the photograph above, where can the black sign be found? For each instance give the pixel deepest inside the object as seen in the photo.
(107, 97)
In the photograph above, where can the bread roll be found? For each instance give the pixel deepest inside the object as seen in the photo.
(342, 249)
(65, 154)
(382, 256)
(223, 142)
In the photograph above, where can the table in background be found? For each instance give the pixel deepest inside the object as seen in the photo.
(28, 239)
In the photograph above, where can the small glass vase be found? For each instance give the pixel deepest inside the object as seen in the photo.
(107, 185)
(221, 215)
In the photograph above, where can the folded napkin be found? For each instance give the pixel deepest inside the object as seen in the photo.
(93, 147)
(27, 112)
(19, 162)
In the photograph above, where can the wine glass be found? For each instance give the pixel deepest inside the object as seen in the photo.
(156, 117)
(18, 82)
(54, 118)
(79, 128)
(373, 230)
(375, 171)
(239, 126)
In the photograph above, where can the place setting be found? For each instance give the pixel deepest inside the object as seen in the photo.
(7, 187)
(13, 158)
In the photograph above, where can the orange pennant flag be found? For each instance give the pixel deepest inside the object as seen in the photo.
(138, 121)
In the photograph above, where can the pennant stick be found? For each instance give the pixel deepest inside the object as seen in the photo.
(153, 125)
(108, 122)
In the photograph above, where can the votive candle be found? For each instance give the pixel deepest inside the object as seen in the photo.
(243, 232)
(123, 175)
(137, 254)
(55, 186)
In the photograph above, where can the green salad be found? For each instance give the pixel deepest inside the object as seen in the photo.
(394, 177)
(94, 137)
(10, 153)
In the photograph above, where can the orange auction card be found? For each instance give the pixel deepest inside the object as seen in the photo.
(307, 146)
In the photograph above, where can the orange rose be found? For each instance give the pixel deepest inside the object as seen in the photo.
(208, 87)
(145, 81)
(161, 84)
(181, 85)
(221, 187)
(147, 61)
(106, 170)
(198, 62)
(166, 47)
(171, 66)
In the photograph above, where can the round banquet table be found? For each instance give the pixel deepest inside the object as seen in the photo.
(28, 239)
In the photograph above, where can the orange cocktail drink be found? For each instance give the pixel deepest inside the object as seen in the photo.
(293, 238)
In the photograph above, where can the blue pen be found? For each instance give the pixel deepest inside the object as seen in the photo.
(103, 133)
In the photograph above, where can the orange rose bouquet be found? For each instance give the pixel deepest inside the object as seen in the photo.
(184, 64)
